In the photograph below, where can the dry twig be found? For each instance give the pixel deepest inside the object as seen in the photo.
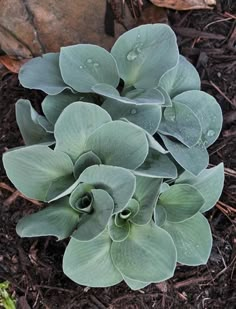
(222, 93)
(15, 194)
(190, 281)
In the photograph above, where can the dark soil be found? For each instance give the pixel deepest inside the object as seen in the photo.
(33, 266)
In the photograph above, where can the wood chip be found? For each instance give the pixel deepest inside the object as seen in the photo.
(193, 33)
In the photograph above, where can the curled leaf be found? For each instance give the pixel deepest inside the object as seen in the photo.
(92, 224)
(30, 124)
(58, 220)
(121, 187)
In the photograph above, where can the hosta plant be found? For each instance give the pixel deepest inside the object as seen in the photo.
(120, 158)
(160, 91)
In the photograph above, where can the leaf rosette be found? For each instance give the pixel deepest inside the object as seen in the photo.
(93, 162)
(155, 230)
(120, 155)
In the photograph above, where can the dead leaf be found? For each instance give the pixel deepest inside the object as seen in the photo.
(185, 4)
(11, 64)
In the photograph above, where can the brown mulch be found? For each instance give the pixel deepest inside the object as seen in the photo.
(33, 266)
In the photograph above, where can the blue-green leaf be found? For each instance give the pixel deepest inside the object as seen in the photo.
(136, 96)
(181, 78)
(85, 65)
(167, 98)
(77, 122)
(32, 169)
(181, 202)
(118, 233)
(154, 249)
(118, 182)
(157, 165)
(58, 220)
(194, 159)
(180, 122)
(146, 116)
(53, 105)
(144, 54)
(208, 112)
(192, 239)
(146, 96)
(209, 183)
(45, 124)
(120, 144)
(134, 284)
(58, 186)
(89, 262)
(160, 215)
(85, 160)
(155, 145)
(92, 224)
(28, 122)
(146, 193)
(76, 198)
(164, 187)
(43, 73)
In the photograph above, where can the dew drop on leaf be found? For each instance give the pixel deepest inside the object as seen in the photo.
(169, 114)
(135, 52)
(210, 133)
(132, 55)
(89, 60)
(133, 111)
(96, 65)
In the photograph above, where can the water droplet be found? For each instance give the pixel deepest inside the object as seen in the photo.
(96, 65)
(169, 114)
(133, 111)
(132, 55)
(138, 36)
(135, 52)
(138, 47)
(89, 60)
(81, 67)
(210, 133)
